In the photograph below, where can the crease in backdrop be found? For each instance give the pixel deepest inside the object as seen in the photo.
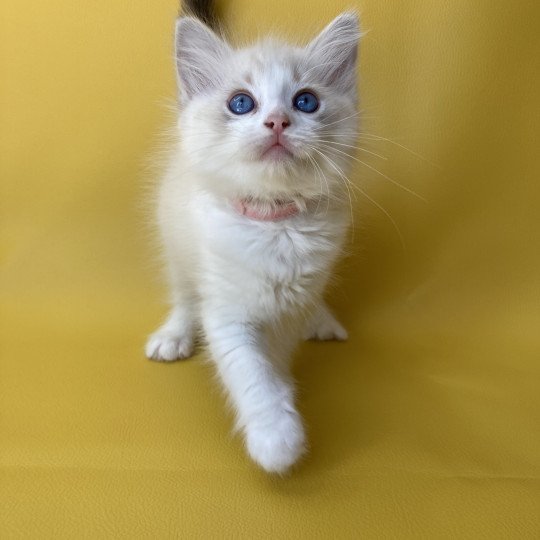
(424, 424)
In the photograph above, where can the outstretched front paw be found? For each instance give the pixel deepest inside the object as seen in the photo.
(279, 444)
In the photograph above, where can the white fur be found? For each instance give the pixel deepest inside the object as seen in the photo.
(255, 288)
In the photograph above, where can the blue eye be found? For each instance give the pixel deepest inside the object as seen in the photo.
(306, 102)
(241, 104)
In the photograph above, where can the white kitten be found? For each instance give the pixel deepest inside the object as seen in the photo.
(253, 212)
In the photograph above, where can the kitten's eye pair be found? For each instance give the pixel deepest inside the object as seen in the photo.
(242, 103)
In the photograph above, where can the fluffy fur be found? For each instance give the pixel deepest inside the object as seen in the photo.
(254, 286)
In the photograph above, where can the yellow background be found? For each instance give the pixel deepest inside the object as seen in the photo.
(426, 424)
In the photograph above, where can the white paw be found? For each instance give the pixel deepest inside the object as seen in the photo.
(326, 329)
(166, 347)
(277, 446)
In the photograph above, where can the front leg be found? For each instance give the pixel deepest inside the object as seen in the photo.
(174, 338)
(261, 393)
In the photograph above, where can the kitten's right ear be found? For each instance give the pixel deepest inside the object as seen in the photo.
(200, 57)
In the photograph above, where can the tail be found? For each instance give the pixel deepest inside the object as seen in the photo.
(203, 10)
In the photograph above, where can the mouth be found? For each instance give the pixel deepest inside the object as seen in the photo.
(260, 210)
(277, 152)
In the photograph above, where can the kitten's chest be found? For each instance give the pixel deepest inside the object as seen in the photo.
(283, 255)
(278, 263)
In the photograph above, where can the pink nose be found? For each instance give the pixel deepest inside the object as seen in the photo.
(277, 122)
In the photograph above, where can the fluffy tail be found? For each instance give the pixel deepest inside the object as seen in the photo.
(202, 9)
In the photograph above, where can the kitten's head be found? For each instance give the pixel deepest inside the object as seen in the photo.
(269, 121)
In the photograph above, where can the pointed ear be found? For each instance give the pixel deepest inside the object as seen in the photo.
(333, 53)
(200, 57)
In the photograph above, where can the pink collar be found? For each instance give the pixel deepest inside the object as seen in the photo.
(264, 211)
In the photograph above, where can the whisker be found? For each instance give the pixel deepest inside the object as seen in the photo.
(321, 172)
(403, 147)
(395, 182)
(351, 146)
(346, 185)
(375, 203)
(340, 120)
(312, 161)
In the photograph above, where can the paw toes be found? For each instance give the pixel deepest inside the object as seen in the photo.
(329, 333)
(276, 448)
(166, 348)
(339, 333)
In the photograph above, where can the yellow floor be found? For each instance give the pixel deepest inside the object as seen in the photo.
(424, 425)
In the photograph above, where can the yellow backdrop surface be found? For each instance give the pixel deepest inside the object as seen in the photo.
(425, 424)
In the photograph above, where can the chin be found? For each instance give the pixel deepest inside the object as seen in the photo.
(278, 175)
(284, 178)
(285, 172)
(278, 161)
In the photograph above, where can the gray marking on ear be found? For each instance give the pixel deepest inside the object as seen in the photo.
(205, 10)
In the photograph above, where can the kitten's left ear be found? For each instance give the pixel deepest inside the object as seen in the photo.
(333, 53)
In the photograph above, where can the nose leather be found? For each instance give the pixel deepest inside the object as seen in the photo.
(277, 122)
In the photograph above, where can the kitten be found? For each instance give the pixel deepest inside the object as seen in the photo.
(253, 211)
